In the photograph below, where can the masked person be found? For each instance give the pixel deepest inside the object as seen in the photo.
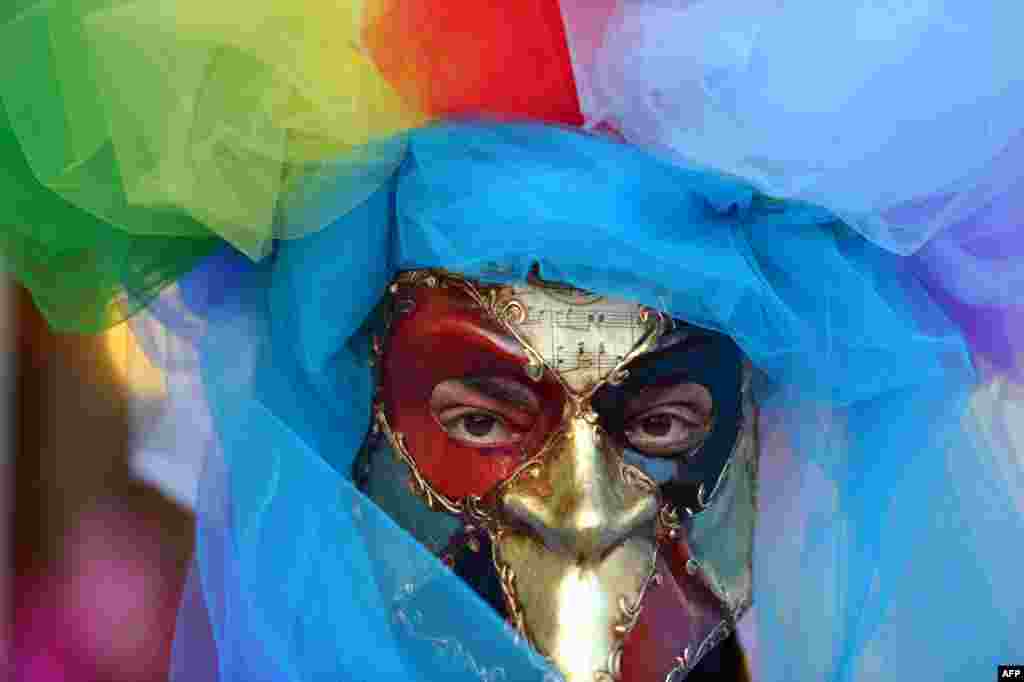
(567, 440)
(592, 450)
(497, 400)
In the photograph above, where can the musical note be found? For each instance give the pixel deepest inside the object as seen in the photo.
(572, 361)
(583, 339)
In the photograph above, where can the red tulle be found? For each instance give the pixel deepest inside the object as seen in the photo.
(492, 58)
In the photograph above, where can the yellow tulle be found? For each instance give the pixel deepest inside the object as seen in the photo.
(178, 117)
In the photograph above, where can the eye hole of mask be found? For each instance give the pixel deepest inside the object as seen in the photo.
(665, 421)
(478, 428)
(484, 412)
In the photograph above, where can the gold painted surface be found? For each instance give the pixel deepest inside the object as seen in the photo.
(579, 503)
(579, 537)
(571, 609)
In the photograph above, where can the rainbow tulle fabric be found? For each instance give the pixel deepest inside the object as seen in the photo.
(184, 119)
(837, 187)
(174, 121)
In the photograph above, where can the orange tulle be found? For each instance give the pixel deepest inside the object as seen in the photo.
(494, 58)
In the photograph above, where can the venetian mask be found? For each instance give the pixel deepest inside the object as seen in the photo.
(587, 464)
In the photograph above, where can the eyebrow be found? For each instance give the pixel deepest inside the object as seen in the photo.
(488, 393)
(682, 391)
(505, 390)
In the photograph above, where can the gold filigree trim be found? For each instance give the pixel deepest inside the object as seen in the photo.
(669, 523)
(434, 500)
(630, 616)
(634, 477)
(747, 435)
(472, 508)
(507, 577)
(428, 278)
(631, 612)
(687, 661)
(513, 313)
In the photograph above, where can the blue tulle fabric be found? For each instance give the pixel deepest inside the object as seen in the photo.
(900, 117)
(887, 530)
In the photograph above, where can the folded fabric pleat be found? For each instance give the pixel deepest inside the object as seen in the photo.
(860, 106)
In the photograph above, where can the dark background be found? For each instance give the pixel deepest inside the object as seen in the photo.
(99, 557)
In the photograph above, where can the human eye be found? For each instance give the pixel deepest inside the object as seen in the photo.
(666, 430)
(476, 427)
(484, 412)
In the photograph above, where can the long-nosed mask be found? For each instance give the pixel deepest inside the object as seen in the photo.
(588, 465)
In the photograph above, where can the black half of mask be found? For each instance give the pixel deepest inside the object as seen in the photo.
(702, 357)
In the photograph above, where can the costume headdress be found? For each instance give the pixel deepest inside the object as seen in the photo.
(834, 188)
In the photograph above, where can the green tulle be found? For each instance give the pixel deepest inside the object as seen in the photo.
(135, 137)
(68, 232)
(84, 274)
(145, 112)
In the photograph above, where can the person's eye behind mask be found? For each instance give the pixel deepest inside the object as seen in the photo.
(484, 412)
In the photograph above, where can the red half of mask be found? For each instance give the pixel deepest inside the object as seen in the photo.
(439, 334)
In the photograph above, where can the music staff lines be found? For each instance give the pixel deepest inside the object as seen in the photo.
(566, 326)
(570, 361)
(581, 321)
